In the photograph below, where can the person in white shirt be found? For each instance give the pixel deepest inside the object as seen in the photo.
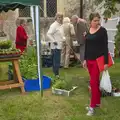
(56, 37)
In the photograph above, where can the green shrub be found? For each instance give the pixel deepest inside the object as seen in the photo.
(117, 41)
(5, 44)
(28, 64)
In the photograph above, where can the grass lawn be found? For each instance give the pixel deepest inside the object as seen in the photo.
(14, 106)
(3, 72)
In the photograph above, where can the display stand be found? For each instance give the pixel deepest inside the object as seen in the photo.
(17, 81)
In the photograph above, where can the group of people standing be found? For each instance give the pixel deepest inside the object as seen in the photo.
(93, 41)
(60, 34)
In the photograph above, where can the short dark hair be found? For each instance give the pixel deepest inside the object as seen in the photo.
(93, 15)
(22, 21)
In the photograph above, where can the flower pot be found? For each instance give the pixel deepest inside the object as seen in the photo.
(63, 92)
(33, 84)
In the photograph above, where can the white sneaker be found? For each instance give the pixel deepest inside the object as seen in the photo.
(90, 112)
(97, 106)
(57, 76)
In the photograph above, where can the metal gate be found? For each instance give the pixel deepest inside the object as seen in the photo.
(111, 27)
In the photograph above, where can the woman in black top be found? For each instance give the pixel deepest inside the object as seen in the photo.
(96, 45)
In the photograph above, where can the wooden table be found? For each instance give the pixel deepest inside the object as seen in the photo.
(17, 81)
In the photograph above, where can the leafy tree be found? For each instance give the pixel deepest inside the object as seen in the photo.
(109, 5)
(110, 9)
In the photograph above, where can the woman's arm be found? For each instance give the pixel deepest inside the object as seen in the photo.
(85, 54)
(84, 62)
(72, 30)
(22, 34)
(51, 32)
(105, 46)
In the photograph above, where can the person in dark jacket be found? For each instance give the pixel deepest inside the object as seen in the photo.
(80, 26)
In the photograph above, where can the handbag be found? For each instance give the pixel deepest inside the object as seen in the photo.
(100, 62)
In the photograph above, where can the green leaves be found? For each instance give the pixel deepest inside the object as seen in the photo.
(28, 64)
(5, 44)
(66, 83)
(117, 42)
(7, 48)
(9, 51)
(110, 7)
(60, 84)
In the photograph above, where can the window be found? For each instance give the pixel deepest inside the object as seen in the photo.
(24, 12)
(51, 8)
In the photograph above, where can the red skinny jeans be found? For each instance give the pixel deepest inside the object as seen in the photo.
(94, 82)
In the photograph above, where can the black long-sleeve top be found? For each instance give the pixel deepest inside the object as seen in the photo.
(96, 45)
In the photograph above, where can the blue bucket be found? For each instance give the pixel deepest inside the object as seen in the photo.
(33, 84)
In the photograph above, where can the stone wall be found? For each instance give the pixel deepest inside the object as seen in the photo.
(9, 25)
(72, 7)
(44, 26)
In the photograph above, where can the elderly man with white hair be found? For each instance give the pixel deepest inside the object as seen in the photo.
(80, 28)
(66, 48)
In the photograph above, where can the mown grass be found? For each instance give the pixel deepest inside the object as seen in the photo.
(14, 106)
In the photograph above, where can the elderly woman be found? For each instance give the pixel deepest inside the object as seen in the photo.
(68, 32)
(56, 36)
(21, 36)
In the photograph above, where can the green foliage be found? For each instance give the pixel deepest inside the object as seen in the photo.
(117, 42)
(14, 106)
(28, 64)
(110, 7)
(60, 84)
(5, 44)
(66, 83)
(7, 48)
(9, 51)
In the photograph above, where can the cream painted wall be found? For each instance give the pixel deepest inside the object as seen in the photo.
(60, 6)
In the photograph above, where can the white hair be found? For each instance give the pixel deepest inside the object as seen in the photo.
(74, 17)
(66, 20)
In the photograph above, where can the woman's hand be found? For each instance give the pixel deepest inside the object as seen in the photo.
(105, 67)
(85, 64)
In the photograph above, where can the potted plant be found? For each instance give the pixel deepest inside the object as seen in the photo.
(28, 68)
(5, 44)
(7, 50)
(63, 87)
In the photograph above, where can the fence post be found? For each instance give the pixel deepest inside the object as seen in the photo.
(45, 8)
(81, 8)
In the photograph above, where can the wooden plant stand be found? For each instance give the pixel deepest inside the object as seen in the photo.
(17, 82)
